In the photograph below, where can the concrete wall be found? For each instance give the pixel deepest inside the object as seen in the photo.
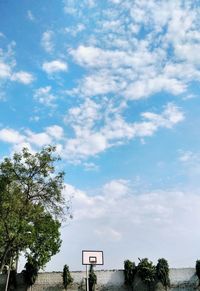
(181, 280)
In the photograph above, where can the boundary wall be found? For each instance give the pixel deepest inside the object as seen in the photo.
(181, 280)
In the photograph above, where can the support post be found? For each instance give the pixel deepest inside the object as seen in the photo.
(87, 281)
(8, 276)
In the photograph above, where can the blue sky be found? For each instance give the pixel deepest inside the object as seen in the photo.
(114, 84)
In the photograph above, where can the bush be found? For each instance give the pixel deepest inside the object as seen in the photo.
(146, 271)
(67, 278)
(129, 272)
(30, 272)
(162, 272)
(13, 278)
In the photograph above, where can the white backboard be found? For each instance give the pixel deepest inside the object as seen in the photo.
(92, 258)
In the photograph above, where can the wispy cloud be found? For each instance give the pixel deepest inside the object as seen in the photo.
(30, 15)
(128, 216)
(55, 66)
(5, 70)
(11, 136)
(124, 64)
(90, 140)
(47, 41)
(45, 96)
(22, 77)
(9, 70)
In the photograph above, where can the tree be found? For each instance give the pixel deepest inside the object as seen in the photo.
(31, 206)
(146, 271)
(31, 272)
(67, 278)
(197, 267)
(129, 272)
(162, 272)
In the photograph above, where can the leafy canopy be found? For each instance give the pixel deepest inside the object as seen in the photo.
(31, 206)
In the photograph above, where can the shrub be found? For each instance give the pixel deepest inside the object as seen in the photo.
(146, 271)
(129, 272)
(13, 278)
(31, 272)
(67, 278)
(162, 272)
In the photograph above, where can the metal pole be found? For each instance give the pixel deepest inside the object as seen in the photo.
(87, 282)
(8, 276)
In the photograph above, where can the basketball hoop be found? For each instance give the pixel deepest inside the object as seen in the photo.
(91, 258)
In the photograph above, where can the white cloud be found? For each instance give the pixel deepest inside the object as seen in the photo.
(19, 146)
(47, 41)
(74, 31)
(133, 74)
(8, 67)
(38, 139)
(187, 156)
(11, 136)
(84, 146)
(188, 52)
(22, 77)
(99, 84)
(44, 96)
(170, 116)
(112, 129)
(148, 87)
(116, 189)
(88, 139)
(70, 6)
(74, 6)
(84, 115)
(30, 15)
(121, 63)
(5, 70)
(55, 131)
(99, 58)
(148, 223)
(54, 66)
(108, 232)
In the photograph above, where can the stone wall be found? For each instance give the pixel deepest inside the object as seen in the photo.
(181, 280)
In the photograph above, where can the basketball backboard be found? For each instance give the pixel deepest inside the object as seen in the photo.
(92, 257)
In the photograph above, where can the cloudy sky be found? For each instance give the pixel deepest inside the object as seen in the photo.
(114, 84)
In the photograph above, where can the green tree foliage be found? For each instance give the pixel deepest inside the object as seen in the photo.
(92, 278)
(146, 271)
(67, 278)
(198, 269)
(31, 206)
(162, 272)
(129, 272)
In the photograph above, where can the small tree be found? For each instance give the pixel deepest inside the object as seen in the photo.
(129, 272)
(198, 269)
(67, 278)
(92, 278)
(162, 272)
(30, 272)
(146, 271)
